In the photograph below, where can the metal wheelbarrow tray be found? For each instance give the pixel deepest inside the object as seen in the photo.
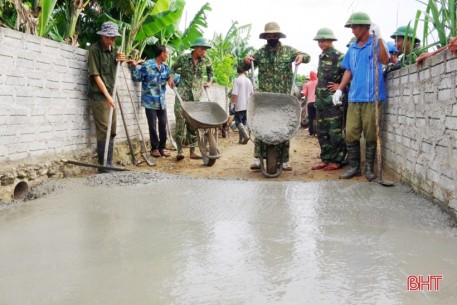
(205, 118)
(273, 118)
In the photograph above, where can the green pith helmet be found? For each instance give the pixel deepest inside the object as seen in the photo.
(325, 34)
(201, 42)
(404, 31)
(350, 42)
(358, 18)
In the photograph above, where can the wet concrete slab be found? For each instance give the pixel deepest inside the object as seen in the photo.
(156, 239)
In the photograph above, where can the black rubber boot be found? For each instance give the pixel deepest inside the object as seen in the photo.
(353, 160)
(244, 138)
(100, 155)
(370, 153)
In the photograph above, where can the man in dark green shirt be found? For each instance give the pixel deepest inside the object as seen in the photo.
(103, 58)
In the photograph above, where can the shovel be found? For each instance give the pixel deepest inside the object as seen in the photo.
(144, 151)
(111, 109)
(132, 153)
(252, 74)
(293, 80)
(170, 136)
(378, 129)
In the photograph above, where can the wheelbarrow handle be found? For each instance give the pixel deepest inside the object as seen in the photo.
(177, 94)
(252, 74)
(207, 94)
(293, 80)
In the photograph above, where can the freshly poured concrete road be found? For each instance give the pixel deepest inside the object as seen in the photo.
(124, 239)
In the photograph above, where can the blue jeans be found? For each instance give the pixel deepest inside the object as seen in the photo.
(240, 117)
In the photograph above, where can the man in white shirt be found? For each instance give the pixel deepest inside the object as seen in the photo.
(241, 92)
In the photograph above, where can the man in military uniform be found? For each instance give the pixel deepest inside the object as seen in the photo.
(192, 68)
(274, 61)
(408, 47)
(329, 116)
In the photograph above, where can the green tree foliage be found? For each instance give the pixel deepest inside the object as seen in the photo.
(228, 51)
(7, 13)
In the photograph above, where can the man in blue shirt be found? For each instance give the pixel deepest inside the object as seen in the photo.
(361, 116)
(154, 75)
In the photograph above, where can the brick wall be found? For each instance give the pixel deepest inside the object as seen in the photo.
(43, 99)
(420, 128)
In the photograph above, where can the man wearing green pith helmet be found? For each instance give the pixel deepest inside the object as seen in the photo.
(408, 47)
(360, 68)
(192, 67)
(329, 116)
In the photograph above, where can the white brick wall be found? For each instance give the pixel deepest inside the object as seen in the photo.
(420, 127)
(43, 99)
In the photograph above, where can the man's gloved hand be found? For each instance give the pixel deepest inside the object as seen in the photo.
(374, 29)
(337, 98)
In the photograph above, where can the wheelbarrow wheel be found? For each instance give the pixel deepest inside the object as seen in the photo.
(208, 147)
(272, 160)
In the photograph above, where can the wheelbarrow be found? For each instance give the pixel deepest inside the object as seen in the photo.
(273, 118)
(205, 118)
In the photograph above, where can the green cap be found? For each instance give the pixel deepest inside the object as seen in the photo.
(404, 31)
(201, 42)
(325, 34)
(358, 18)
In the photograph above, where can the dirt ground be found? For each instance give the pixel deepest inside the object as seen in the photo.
(236, 160)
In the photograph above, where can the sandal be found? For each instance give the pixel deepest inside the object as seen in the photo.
(155, 153)
(164, 153)
(332, 166)
(195, 156)
(179, 156)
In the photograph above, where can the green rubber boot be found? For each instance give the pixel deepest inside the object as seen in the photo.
(353, 160)
(370, 153)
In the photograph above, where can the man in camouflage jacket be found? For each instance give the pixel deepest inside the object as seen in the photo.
(192, 68)
(274, 61)
(329, 117)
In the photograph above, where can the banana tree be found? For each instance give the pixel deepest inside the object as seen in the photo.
(73, 9)
(160, 26)
(228, 50)
(45, 17)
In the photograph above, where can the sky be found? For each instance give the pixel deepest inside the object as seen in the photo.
(301, 19)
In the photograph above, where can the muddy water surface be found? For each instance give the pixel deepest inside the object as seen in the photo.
(123, 240)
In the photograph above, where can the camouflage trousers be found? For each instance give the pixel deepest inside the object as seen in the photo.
(184, 134)
(257, 146)
(330, 135)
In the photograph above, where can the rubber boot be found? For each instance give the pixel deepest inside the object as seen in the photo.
(353, 160)
(244, 138)
(100, 155)
(370, 153)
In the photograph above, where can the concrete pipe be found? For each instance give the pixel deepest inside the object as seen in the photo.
(21, 190)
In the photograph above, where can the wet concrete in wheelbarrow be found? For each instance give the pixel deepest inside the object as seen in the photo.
(152, 238)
